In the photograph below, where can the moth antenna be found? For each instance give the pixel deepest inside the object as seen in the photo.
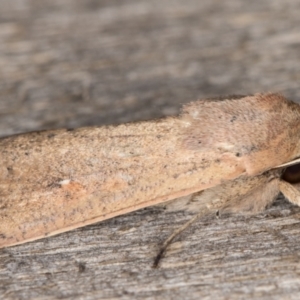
(170, 239)
(290, 163)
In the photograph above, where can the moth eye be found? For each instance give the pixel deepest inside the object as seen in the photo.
(292, 174)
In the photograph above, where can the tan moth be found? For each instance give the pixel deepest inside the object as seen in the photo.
(232, 154)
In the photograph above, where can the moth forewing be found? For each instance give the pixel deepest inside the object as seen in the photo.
(54, 181)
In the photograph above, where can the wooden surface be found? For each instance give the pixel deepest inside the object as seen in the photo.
(68, 63)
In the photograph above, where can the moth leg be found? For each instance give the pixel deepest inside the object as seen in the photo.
(290, 192)
(242, 195)
(170, 239)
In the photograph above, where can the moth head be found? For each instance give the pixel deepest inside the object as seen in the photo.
(289, 186)
(292, 174)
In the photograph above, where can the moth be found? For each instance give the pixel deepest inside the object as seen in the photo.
(233, 154)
